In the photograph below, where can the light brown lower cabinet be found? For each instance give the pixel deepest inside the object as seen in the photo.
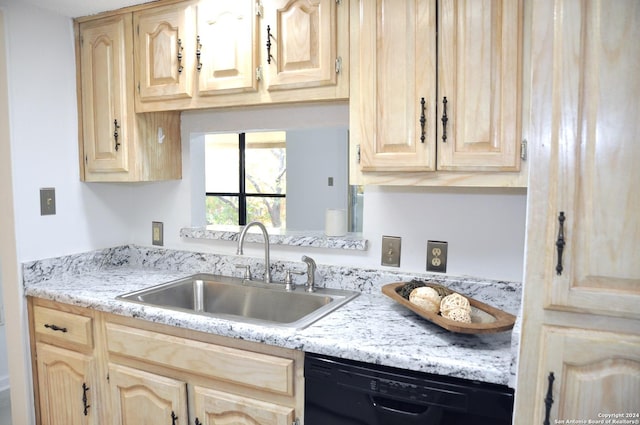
(66, 380)
(92, 368)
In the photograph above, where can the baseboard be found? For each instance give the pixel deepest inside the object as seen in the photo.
(4, 383)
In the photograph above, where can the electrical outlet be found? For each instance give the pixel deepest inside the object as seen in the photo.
(436, 256)
(47, 201)
(156, 233)
(391, 251)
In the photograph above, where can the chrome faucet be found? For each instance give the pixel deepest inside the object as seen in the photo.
(267, 265)
(311, 273)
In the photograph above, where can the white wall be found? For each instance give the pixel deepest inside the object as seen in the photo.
(485, 229)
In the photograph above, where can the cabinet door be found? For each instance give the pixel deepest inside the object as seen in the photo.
(165, 51)
(144, 398)
(106, 83)
(65, 381)
(227, 46)
(595, 373)
(302, 39)
(591, 133)
(217, 407)
(393, 52)
(479, 57)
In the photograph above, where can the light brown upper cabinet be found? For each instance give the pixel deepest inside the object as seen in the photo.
(436, 86)
(227, 54)
(214, 53)
(164, 45)
(116, 144)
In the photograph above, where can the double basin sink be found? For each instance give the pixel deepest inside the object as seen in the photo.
(243, 300)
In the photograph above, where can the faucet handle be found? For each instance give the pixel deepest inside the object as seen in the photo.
(247, 270)
(289, 284)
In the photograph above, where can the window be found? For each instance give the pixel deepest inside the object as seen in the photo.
(246, 178)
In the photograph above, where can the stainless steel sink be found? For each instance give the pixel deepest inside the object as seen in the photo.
(242, 300)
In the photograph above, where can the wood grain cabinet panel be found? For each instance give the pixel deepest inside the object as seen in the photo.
(62, 328)
(596, 373)
(106, 83)
(227, 41)
(393, 68)
(67, 385)
(143, 398)
(116, 144)
(165, 43)
(243, 53)
(479, 65)
(218, 407)
(582, 275)
(303, 43)
(436, 86)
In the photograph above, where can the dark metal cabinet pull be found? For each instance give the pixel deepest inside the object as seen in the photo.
(55, 328)
(444, 120)
(180, 67)
(269, 36)
(115, 133)
(423, 120)
(85, 388)
(560, 243)
(548, 400)
(198, 53)
(174, 418)
(198, 422)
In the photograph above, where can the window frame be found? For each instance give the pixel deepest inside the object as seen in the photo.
(242, 194)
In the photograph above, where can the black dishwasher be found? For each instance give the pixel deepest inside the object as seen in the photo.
(346, 392)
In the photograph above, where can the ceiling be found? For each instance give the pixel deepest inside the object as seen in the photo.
(75, 8)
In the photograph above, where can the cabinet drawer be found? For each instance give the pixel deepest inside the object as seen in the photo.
(256, 370)
(62, 327)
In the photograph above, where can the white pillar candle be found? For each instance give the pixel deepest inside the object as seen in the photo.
(335, 222)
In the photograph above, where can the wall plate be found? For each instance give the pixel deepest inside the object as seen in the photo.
(437, 256)
(47, 201)
(391, 251)
(157, 233)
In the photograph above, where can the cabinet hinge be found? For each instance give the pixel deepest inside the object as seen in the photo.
(296, 422)
(358, 154)
(138, 87)
(259, 73)
(523, 150)
(259, 9)
(86, 159)
(338, 64)
(338, 2)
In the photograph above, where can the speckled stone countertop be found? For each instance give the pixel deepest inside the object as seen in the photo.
(371, 328)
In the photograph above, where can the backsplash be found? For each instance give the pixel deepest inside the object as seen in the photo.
(343, 277)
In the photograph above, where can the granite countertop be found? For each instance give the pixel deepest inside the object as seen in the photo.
(371, 328)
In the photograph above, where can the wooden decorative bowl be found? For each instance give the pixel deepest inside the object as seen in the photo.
(484, 318)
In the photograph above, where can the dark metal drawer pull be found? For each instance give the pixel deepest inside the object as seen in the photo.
(55, 327)
(423, 120)
(269, 37)
(116, 127)
(444, 120)
(560, 243)
(548, 400)
(85, 388)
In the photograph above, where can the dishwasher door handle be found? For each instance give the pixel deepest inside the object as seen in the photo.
(391, 407)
